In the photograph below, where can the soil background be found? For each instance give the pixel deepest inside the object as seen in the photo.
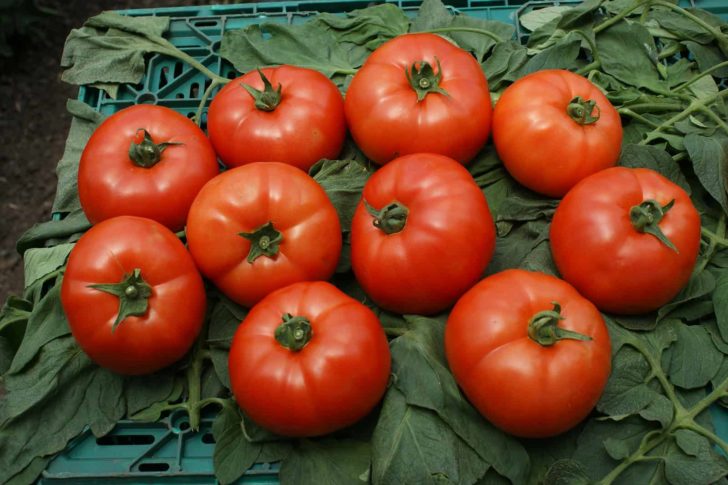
(34, 123)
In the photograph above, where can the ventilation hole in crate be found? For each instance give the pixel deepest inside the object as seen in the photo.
(208, 438)
(205, 23)
(190, 115)
(207, 83)
(125, 439)
(177, 69)
(231, 75)
(180, 96)
(154, 467)
(147, 98)
(163, 77)
(194, 90)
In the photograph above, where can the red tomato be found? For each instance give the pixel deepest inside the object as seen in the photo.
(146, 161)
(263, 226)
(133, 297)
(516, 357)
(552, 128)
(297, 118)
(422, 234)
(603, 247)
(309, 360)
(419, 93)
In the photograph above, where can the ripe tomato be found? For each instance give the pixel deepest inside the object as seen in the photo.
(308, 360)
(627, 239)
(146, 161)
(419, 93)
(511, 346)
(283, 114)
(133, 297)
(422, 234)
(552, 128)
(263, 226)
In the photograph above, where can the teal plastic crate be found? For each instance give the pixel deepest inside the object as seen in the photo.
(168, 452)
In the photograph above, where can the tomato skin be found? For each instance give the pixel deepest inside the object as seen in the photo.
(176, 308)
(243, 199)
(541, 146)
(385, 118)
(447, 242)
(110, 184)
(305, 127)
(332, 382)
(596, 248)
(520, 386)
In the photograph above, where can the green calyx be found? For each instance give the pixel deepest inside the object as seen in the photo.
(391, 219)
(133, 293)
(264, 241)
(146, 153)
(543, 328)
(646, 218)
(294, 333)
(581, 110)
(267, 99)
(424, 80)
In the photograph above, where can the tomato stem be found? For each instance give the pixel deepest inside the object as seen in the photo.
(133, 293)
(543, 328)
(294, 333)
(424, 80)
(646, 218)
(580, 110)
(268, 99)
(391, 219)
(144, 152)
(264, 241)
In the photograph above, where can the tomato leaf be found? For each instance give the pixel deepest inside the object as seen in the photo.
(710, 162)
(271, 44)
(695, 461)
(421, 374)
(110, 48)
(580, 14)
(566, 472)
(539, 17)
(327, 461)
(628, 52)
(503, 63)
(699, 286)
(635, 156)
(68, 229)
(40, 262)
(432, 14)
(520, 240)
(225, 318)
(687, 371)
(559, 56)
(233, 454)
(13, 322)
(477, 43)
(85, 120)
(412, 444)
(680, 25)
(708, 56)
(141, 392)
(343, 181)
(720, 303)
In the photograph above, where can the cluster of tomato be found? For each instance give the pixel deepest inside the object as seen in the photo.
(308, 359)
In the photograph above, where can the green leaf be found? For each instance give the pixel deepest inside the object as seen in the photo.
(362, 31)
(720, 303)
(655, 158)
(432, 15)
(539, 17)
(39, 262)
(143, 391)
(559, 56)
(710, 162)
(31, 472)
(340, 461)
(580, 14)
(566, 472)
(271, 44)
(695, 360)
(67, 229)
(46, 322)
(503, 63)
(85, 120)
(110, 48)
(680, 26)
(628, 52)
(413, 445)
(616, 448)
(514, 247)
(477, 43)
(343, 181)
(233, 454)
(708, 56)
(699, 286)
(13, 321)
(695, 461)
(421, 374)
(225, 318)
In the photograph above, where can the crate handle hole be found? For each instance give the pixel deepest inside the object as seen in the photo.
(125, 440)
(147, 98)
(208, 438)
(205, 23)
(154, 467)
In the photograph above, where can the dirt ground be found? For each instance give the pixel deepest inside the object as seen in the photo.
(34, 124)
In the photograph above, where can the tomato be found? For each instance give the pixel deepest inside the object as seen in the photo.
(146, 161)
(552, 128)
(419, 93)
(308, 360)
(263, 226)
(422, 234)
(133, 297)
(627, 239)
(530, 353)
(283, 114)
